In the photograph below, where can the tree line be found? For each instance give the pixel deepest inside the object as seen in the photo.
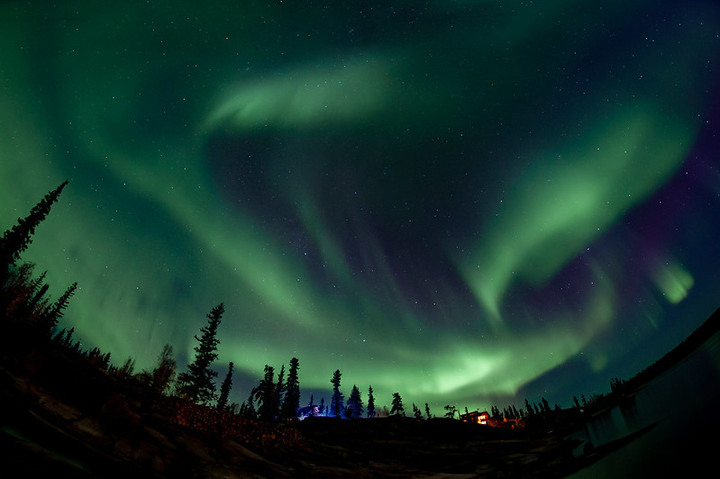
(24, 304)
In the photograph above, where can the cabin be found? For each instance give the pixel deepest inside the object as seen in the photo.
(475, 417)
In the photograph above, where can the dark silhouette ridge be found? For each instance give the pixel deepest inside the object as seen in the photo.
(707, 329)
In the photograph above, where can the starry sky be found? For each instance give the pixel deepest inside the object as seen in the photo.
(468, 202)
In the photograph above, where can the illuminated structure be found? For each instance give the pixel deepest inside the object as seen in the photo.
(475, 417)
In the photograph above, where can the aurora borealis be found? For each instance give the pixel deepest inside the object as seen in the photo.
(466, 202)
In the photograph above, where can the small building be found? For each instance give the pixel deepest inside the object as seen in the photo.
(309, 411)
(475, 417)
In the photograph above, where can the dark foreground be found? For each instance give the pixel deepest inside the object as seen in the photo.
(62, 414)
(113, 433)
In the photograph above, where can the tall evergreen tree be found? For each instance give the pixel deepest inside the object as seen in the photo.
(35, 306)
(279, 391)
(38, 283)
(292, 392)
(225, 389)
(336, 404)
(397, 405)
(371, 403)
(265, 394)
(164, 373)
(247, 409)
(22, 297)
(427, 411)
(197, 382)
(16, 240)
(354, 404)
(49, 318)
(529, 408)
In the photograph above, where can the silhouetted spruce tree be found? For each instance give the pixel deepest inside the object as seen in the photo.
(164, 372)
(544, 405)
(16, 240)
(64, 337)
(99, 359)
(49, 318)
(225, 389)
(355, 404)
(416, 412)
(162, 376)
(197, 382)
(127, 368)
(427, 411)
(247, 409)
(38, 283)
(529, 408)
(265, 394)
(397, 405)
(24, 300)
(279, 391)
(292, 392)
(22, 296)
(450, 411)
(371, 403)
(34, 305)
(336, 404)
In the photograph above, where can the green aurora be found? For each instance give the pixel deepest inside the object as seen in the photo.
(467, 202)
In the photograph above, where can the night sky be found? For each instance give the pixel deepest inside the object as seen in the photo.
(467, 202)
